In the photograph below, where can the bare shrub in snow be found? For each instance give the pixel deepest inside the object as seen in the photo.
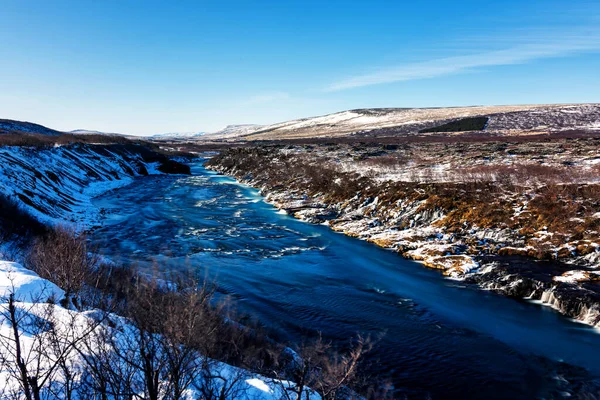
(62, 257)
(386, 162)
(160, 350)
(37, 343)
(315, 366)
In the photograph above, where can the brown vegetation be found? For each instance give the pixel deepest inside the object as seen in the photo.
(62, 256)
(40, 140)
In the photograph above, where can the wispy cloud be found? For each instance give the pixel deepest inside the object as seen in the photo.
(266, 98)
(551, 47)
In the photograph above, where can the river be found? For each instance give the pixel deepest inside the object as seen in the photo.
(442, 338)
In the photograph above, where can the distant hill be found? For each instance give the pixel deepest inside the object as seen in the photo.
(528, 119)
(233, 131)
(11, 126)
(176, 135)
(91, 132)
(230, 131)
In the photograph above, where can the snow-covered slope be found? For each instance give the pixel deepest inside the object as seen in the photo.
(230, 131)
(57, 184)
(396, 121)
(92, 132)
(176, 135)
(233, 131)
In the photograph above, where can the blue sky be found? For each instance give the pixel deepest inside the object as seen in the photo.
(145, 67)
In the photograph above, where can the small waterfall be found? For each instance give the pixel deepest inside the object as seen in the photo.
(589, 315)
(579, 311)
(548, 298)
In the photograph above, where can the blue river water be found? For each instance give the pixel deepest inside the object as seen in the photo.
(442, 339)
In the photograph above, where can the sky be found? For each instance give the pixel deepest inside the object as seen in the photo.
(147, 67)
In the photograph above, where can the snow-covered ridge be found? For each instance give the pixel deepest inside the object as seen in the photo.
(233, 131)
(177, 135)
(57, 184)
(400, 121)
(92, 132)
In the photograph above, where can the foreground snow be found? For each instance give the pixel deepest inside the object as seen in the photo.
(36, 296)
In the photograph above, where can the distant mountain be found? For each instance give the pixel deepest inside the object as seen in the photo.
(11, 126)
(177, 135)
(90, 132)
(230, 131)
(233, 131)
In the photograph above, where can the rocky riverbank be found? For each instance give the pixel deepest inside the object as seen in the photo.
(533, 241)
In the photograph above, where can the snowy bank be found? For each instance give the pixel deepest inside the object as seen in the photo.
(67, 360)
(57, 184)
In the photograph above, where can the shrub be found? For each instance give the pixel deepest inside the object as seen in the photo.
(462, 125)
(16, 223)
(390, 162)
(61, 256)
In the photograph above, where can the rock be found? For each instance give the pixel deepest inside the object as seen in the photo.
(455, 266)
(382, 242)
(174, 167)
(512, 251)
(585, 247)
(577, 276)
(564, 252)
